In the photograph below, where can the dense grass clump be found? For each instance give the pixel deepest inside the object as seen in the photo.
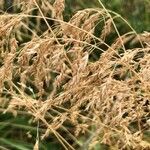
(77, 84)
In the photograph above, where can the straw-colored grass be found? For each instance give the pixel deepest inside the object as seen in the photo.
(68, 76)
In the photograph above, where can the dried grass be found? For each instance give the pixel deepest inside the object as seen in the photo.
(52, 77)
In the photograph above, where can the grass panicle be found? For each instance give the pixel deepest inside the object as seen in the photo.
(81, 80)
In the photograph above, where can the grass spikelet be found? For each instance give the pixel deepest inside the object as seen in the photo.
(58, 7)
(106, 30)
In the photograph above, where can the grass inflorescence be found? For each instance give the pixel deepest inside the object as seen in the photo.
(80, 83)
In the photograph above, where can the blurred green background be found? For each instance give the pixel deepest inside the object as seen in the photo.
(136, 12)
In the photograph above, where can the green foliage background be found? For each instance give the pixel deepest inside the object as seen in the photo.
(136, 12)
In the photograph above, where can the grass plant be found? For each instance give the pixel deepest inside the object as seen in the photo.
(75, 83)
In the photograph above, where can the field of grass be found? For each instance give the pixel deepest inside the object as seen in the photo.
(74, 75)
